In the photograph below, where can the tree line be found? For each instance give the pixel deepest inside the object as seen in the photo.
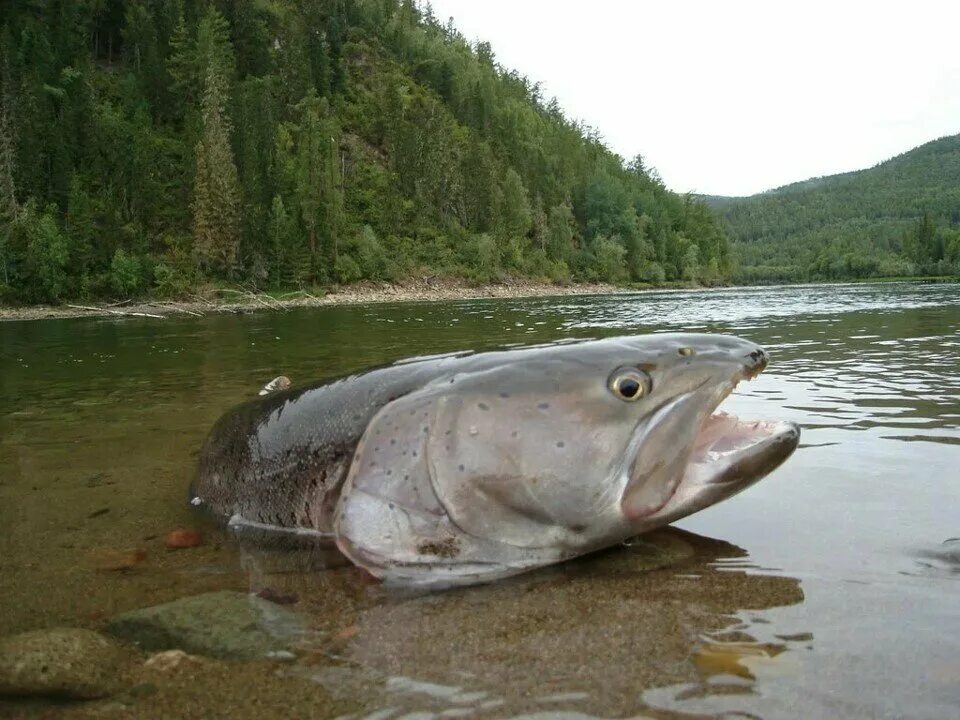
(152, 146)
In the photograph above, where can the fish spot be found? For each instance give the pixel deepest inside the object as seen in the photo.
(483, 406)
(414, 453)
(393, 441)
(544, 406)
(391, 506)
(426, 428)
(372, 464)
(389, 472)
(406, 476)
(462, 468)
(413, 412)
(504, 395)
(514, 433)
(561, 443)
(448, 432)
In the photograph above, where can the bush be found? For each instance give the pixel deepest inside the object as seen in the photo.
(370, 255)
(169, 281)
(124, 273)
(45, 255)
(346, 270)
(482, 257)
(608, 258)
(654, 273)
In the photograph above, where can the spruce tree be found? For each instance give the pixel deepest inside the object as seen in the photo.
(9, 208)
(216, 203)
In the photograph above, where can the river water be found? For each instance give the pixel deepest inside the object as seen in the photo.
(830, 589)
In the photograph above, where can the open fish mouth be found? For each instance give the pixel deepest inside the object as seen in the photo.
(725, 455)
(728, 449)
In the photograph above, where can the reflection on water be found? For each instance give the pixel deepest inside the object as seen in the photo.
(590, 635)
(842, 601)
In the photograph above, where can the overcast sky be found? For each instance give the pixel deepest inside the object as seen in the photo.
(733, 97)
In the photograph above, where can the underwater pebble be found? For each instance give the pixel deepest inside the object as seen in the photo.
(183, 538)
(117, 560)
(226, 624)
(61, 662)
(278, 597)
(168, 660)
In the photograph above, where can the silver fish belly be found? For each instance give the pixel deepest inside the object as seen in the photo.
(460, 469)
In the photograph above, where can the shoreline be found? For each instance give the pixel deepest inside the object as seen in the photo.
(232, 301)
(235, 301)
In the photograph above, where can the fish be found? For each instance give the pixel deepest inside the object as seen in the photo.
(465, 468)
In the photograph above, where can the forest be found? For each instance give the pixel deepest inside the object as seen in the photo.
(900, 218)
(152, 147)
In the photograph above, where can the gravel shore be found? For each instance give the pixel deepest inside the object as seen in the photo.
(237, 301)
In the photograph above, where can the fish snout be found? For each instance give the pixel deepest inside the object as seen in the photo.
(755, 362)
(724, 352)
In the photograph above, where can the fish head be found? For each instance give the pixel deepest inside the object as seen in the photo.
(576, 444)
(520, 459)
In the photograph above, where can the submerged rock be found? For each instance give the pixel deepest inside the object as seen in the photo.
(229, 625)
(64, 662)
(183, 538)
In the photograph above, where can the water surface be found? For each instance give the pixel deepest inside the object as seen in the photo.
(829, 589)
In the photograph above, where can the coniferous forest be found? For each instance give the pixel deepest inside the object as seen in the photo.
(154, 146)
(900, 218)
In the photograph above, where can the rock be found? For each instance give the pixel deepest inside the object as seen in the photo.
(278, 597)
(168, 660)
(117, 560)
(229, 625)
(183, 538)
(64, 662)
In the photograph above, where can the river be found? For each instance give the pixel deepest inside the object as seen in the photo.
(830, 589)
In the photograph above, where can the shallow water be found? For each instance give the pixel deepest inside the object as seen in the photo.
(826, 590)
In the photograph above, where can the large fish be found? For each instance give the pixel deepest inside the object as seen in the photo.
(460, 469)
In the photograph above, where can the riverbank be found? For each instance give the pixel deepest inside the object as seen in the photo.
(230, 300)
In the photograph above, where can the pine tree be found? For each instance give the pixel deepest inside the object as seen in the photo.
(216, 204)
(317, 177)
(9, 207)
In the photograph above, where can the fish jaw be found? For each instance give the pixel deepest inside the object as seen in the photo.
(722, 455)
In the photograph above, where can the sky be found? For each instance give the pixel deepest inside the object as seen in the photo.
(733, 97)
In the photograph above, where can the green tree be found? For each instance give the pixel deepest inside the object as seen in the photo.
(560, 233)
(513, 218)
(45, 256)
(9, 206)
(216, 204)
(313, 153)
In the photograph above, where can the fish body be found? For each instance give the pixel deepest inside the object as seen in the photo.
(458, 469)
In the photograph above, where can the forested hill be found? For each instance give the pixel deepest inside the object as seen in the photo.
(149, 146)
(900, 218)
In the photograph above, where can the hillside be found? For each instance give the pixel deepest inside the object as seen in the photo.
(899, 218)
(151, 147)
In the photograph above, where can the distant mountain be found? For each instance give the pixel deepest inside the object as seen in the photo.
(901, 217)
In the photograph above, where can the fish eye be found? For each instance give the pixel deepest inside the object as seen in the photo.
(630, 384)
